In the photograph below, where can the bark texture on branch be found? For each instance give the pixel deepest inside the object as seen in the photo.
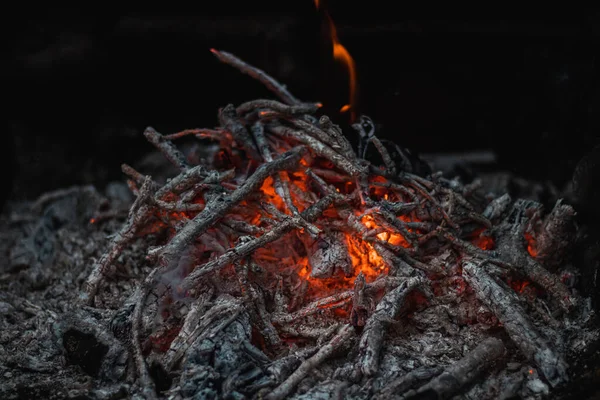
(516, 323)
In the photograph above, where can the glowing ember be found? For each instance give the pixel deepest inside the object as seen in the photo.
(531, 244)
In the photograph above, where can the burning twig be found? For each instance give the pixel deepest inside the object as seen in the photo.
(217, 207)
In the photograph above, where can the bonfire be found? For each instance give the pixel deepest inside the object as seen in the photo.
(291, 265)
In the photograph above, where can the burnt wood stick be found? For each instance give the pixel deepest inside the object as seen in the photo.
(256, 307)
(328, 254)
(274, 105)
(306, 127)
(390, 165)
(314, 307)
(331, 175)
(196, 132)
(339, 340)
(392, 219)
(336, 132)
(182, 182)
(277, 88)
(137, 176)
(212, 180)
(521, 330)
(321, 149)
(140, 296)
(201, 323)
(375, 328)
(511, 248)
(399, 208)
(218, 206)
(250, 246)
(556, 235)
(170, 152)
(360, 309)
(308, 331)
(281, 184)
(462, 372)
(408, 381)
(229, 120)
(138, 215)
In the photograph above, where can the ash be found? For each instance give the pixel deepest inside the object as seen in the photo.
(280, 262)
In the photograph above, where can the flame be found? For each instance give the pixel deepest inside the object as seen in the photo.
(341, 54)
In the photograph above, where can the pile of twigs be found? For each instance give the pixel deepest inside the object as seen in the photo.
(219, 219)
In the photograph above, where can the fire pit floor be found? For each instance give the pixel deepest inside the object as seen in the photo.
(279, 262)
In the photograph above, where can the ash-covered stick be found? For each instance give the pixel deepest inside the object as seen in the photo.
(258, 313)
(138, 215)
(170, 152)
(137, 176)
(320, 149)
(142, 292)
(274, 105)
(178, 206)
(398, 207)
(277, 88)
(281, 184)
(203, 320)
(343, 336)
(516, 323)
(511, 249)
(196, 132)
(229, 119)
(398, 266)
(182, 182)
(556, 235)
(395, 222)
(338, 299)
(360, 309)
(219, 205)
(309, 332)
(375, 328)
(462, 372)
(407, 382)
(497, 207)
(242, 226)
(330, 175)
(212, 180)
(336, 132)
(306, 127)
(246, 248)
(390, 166)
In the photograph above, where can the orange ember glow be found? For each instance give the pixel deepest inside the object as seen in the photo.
(531, 245)
(341, 54)
(482, 240)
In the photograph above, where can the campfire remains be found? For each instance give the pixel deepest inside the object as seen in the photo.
(290, 265)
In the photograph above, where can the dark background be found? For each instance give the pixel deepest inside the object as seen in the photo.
(81, 87)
